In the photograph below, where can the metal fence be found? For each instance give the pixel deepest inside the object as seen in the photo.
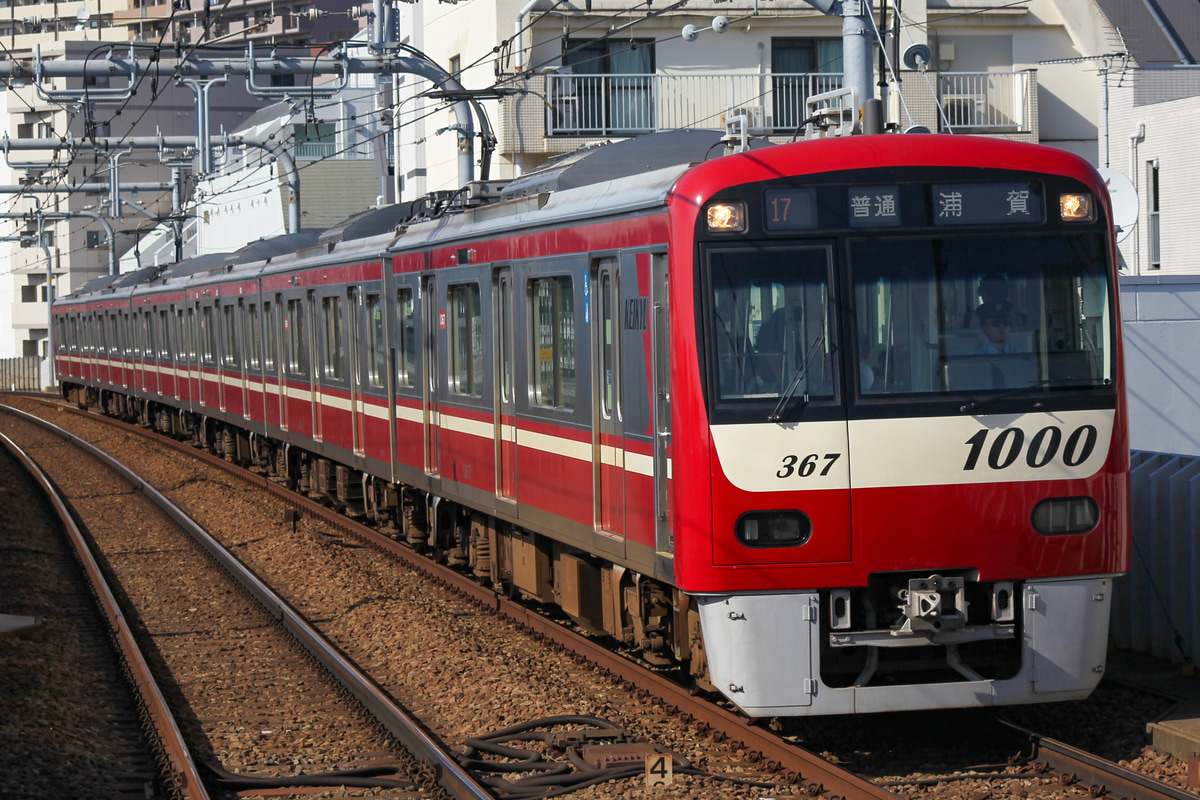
(1155, 610)
(985, 101)
(20, 374)
(627, 105)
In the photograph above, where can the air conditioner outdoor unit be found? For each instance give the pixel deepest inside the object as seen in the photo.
(33, 21)
(756, 119)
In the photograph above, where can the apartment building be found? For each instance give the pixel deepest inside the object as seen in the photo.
(562, 74)
(76, 241)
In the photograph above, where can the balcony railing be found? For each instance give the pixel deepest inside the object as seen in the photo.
(629, 105)
(992, 102)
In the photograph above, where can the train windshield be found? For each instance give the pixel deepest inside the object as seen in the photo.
(977, 315)
(964, 319)
(771, 322)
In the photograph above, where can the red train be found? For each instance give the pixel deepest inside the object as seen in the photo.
(836, 426)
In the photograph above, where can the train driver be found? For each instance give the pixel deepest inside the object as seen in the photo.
(995, 321)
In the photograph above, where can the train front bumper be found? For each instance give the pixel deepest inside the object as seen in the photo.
(764, 654)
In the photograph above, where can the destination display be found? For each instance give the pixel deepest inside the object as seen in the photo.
(1006, 203)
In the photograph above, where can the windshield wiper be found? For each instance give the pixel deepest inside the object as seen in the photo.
(1073, 382)
(794, 383)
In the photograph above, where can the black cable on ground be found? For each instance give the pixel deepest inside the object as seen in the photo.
(554, 778)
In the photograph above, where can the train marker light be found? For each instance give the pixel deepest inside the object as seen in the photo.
(1064, 515)
(1076, 208)
(726, 217)
(774, 529)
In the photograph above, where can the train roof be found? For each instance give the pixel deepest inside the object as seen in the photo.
(605, 162)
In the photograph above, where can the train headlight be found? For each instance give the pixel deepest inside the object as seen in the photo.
(1076, 208)
(725, 217)
(1063, 515)
(774, 529)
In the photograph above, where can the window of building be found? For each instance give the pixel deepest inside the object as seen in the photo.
(611, 90)
(552, 302)
(314, 140)
(95, 240)
(466, 340)
(1153, 233)
(802, 68)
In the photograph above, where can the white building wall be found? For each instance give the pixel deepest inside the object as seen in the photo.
(1163, 134)
(1161, 315)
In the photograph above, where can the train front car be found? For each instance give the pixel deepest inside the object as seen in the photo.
(911, 490)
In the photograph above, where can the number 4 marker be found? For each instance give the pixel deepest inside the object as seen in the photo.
(660, 770)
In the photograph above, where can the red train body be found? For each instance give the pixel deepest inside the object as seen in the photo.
(837, 425)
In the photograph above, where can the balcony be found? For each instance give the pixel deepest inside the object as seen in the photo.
(563, 110)
(628, 105)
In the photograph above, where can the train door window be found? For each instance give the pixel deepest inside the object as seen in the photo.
(406, 338)
(189, 335)
(151, 333)
(296, 338)
(504, 330)
(254, 337)
(376, 350)
(164, 334)
(335, 349)
(466, 340)
(208, 346)
(268, 334)
(231, 355)
(552, 301)
(130, 334)
(608, 340)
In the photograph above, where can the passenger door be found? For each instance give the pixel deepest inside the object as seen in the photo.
(433, 316)
(358, 406)
(505, 403)
(608, 430)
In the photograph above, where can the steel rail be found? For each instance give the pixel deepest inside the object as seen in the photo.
(180, 768)
(820, 777)
(450, 775)
(1102, 777)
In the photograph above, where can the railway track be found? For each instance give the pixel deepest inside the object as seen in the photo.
(768, 755)
(254, 697)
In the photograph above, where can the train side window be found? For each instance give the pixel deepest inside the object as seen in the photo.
(253, 337)
(335, 351)
(376, 352)
(207, 337)
(466, 340)
(297, 340)
(552, 305)
(406, 337)
(231, 356)
(269, 334)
